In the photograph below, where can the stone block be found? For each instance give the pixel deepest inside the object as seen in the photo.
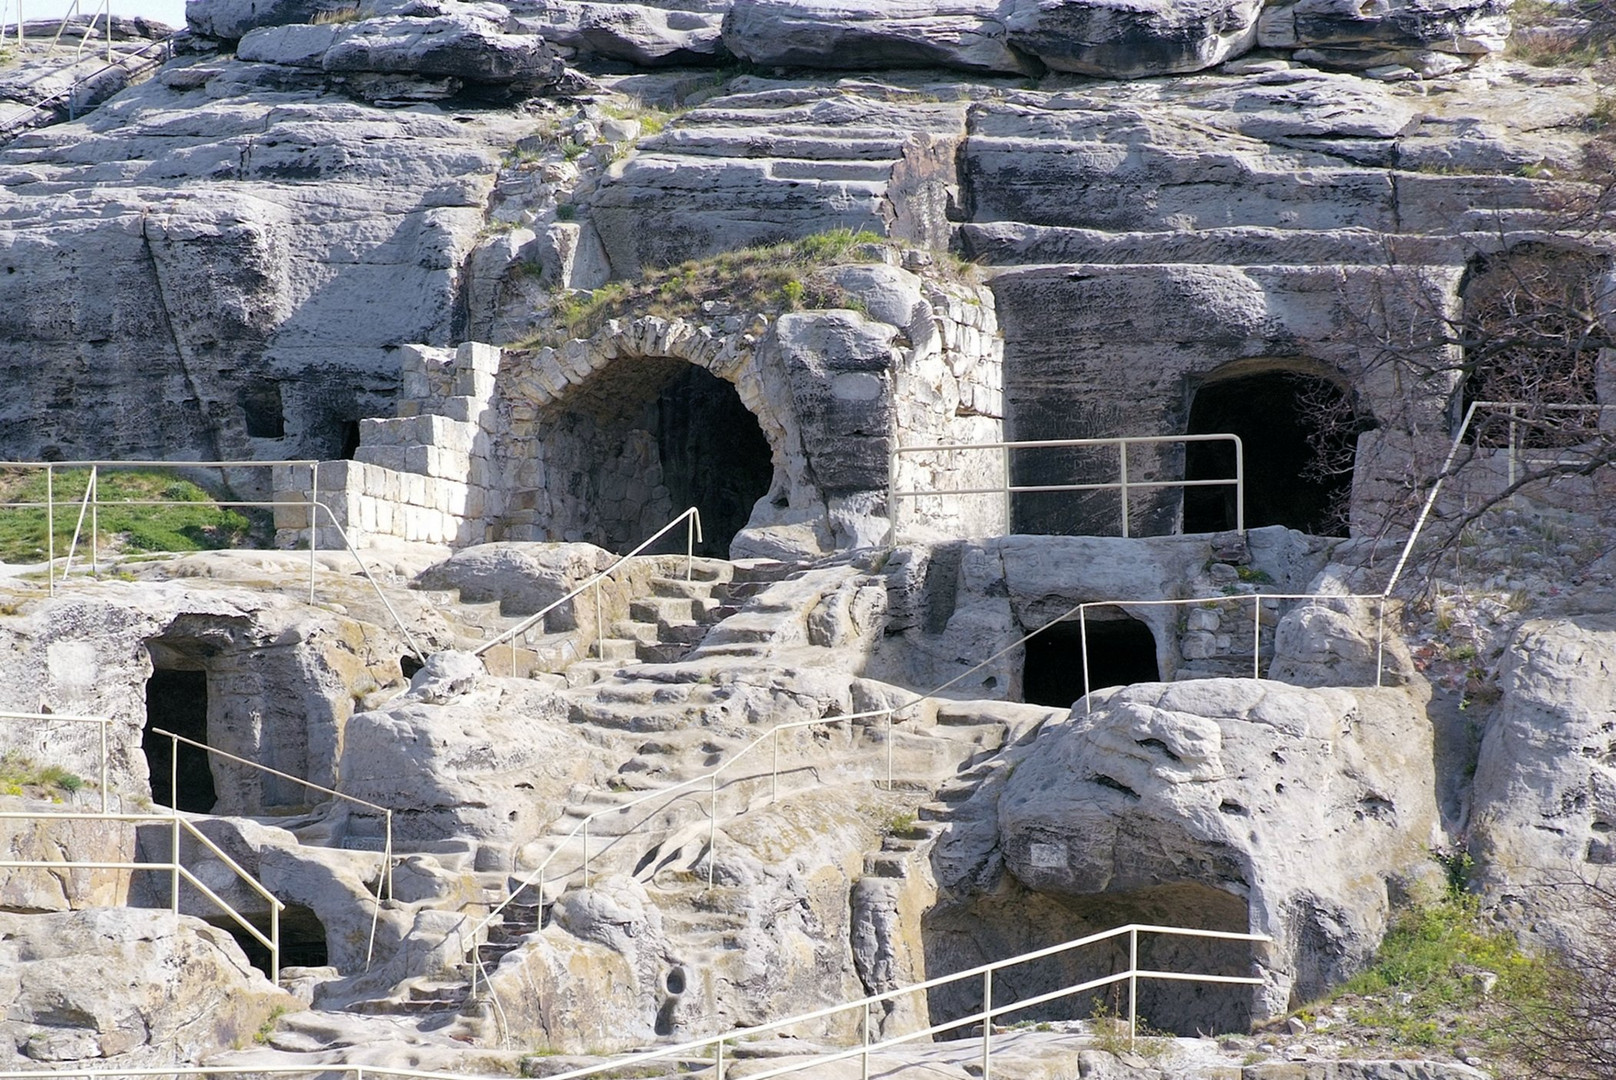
(465, 410)
(473, 384)
(417, 459)
(1200, 618)
(382, 457)
(477, 356)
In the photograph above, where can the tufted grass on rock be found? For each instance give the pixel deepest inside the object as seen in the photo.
(20, 775)
(1444, 981)
(197, 525)
(773, 277)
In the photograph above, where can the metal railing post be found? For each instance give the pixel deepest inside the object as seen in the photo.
(104, 770)
(274, 944)
(690, 545)
(1239, 485)
(864, 1058)
(174, 851)
(712, 832)
(987, 1024)
(1380, 641)
(314, 521)
(1009, 524)
(1083, 642)
(718, 1062)
(1133, 984)
(1256, 637)
(889, 750)
(95, 481)
(50, 518)
(586, 862)
(774, 784)
(600, 626)
(1122, 463)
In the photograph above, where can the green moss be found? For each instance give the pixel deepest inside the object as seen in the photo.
(196, 524)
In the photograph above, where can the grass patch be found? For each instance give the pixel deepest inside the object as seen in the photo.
(337, 16)
(1443, 979)
(771, 278)
(21, 775)
(195, 525)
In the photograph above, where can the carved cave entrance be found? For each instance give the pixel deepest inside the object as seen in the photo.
(1015, 920)
(302, 939)
(1121, 650)
(644, 439)
(177, 701)
(1299, 433)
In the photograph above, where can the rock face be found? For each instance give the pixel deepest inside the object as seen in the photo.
(124, 987)
(962, 34)
(1544, 802)
(275, 685)
(63, 840)
(1132, 38)
(1201, 790)
(650, 35)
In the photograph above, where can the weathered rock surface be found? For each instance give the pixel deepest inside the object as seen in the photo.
(132, 987)
(232, 219)
(60, 841)
(1129, 39)
(1226, 786)
(651, 35)
(457, 46)
(1544, 801)
(961, 34)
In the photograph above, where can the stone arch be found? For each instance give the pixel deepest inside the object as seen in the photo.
(1299, 422)
(587, 390)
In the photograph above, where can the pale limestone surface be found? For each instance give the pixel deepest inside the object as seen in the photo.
(136, 988)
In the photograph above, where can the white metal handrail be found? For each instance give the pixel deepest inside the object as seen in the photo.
(387, 817)
(1448, 470)
(102, 721)
(693, 536)
(20, 119)
(714, 1044)
(92, 497)
(1082, 609)
(176, 869)
(1123, 484)
(865, 1005)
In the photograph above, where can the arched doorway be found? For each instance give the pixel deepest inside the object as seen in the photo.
(643, 439)
(1299, 433)
(1121, 651)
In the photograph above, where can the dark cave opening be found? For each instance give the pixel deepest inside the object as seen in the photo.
(1298, 433)
(181, 775)
(1016, 920)
(714, 455)
(646, 438)
(1120, 651)
(302, 938)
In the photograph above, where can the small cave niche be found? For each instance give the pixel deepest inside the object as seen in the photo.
(349, 432)
(1299, 433)
(1016, 920)
(302, 938)
(262, 412)
(1121, 651)
(645, 438)
(177, 702)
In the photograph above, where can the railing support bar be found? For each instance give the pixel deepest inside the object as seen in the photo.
(50, 515)
(314, 522)
(987, 1024)
(1122, 463)
(1133, 984)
